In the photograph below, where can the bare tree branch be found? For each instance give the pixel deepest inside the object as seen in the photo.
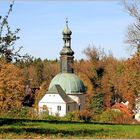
(133, 34)
(8, 39)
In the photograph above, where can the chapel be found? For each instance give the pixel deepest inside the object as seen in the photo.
(66, 91)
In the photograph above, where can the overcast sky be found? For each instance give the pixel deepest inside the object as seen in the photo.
(100, 23)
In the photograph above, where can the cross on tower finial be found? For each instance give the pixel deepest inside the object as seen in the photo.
(66, 21)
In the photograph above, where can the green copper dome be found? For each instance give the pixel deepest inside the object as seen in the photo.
(69, 82)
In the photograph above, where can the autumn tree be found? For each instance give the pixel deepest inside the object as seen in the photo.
(113, 70)
(132, 78)
(104, 74)
(11, 86)
(12, 81)
(91, 71)
(133, 38)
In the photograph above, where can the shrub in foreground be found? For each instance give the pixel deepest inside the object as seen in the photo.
(21, 113)
(112, 116)
(83, 115)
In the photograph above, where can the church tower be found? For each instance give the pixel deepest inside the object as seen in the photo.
(66, 91)
(66, 53)
(67, 79)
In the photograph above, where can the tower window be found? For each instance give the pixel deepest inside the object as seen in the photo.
(68, 108)
(67, 44)
(58, 108)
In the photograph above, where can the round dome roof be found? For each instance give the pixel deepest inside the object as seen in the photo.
(67, 31)
(67, 51)
(69, 82)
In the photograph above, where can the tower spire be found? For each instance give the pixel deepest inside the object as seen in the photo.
(67, 53)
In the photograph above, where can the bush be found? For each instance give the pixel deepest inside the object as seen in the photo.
(112, 116)
(109, 116)
(29, 113)
(70, 116)
(21, 113)
(45, 116)
(73, 116)
(85, 115)
(53, 118)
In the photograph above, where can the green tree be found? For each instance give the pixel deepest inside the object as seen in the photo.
(98, 103)
(39, 72)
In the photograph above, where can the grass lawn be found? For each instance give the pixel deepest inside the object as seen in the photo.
(12, 128)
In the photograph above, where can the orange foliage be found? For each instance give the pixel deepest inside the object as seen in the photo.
(11, 86)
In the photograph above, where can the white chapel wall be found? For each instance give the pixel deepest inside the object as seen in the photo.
(52, 101)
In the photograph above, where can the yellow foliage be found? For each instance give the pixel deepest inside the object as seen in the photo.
(11, 86)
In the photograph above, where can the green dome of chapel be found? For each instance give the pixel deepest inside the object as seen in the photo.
(69, 82)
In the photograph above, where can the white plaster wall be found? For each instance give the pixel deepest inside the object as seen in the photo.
(52, 108)
(52, 98)
(52, 101)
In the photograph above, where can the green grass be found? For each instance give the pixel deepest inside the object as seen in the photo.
(15, 128)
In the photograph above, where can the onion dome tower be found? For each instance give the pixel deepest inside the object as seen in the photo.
(67, 53)
(69, 82)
